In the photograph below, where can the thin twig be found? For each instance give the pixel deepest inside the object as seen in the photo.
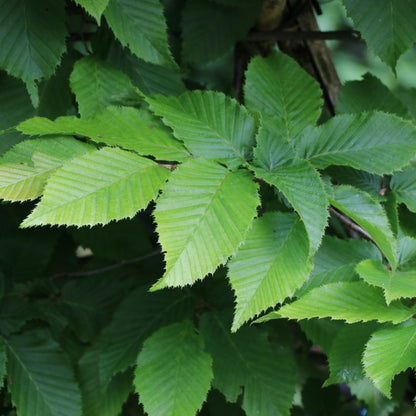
(104, 269)
(350, 223)
(307, 35)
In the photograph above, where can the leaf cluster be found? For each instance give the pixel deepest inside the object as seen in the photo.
(184, 216)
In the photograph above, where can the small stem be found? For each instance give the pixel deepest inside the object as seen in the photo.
(104, 269)
(354, 226)
(308, 35)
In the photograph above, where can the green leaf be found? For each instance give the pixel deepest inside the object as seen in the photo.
(32, 35)
(344, 357)
(350, 139)
(43, 383)
(204, 41)
(349, 301)
(202, 217)
(173, 373)
(96, 85)
(211, 124)
(247, 364)
(367, 213)
(100, 186)
(15, 105)
(403, 184)
(3, 361)
(278, 87)
(369, 94)
(335, 261)
(389, 352)
(126, 127)
(94, 7)
(95, 400)
(376, 402)
(271, 264)
(25, 168)
(396, 284)
(141, 27)
(301, 184)
(137, 316)
(386, 25)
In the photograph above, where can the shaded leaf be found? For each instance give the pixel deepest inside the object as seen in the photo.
(271, 264)
(335, 261)
(369, 94)
(389, 352)
(32, 35)
(97, 85)
(202, 218)
(367, 213)
(100, 186)
(25, 168)
(204, 41)
(376, 402)
(403, 184)
(95, 400)
(395, 17)
(126, 127)
(344, 357)
(211, 124)
(15, 105)
(245, 363)
(278, 87)
(137, 316)
(396, 284)
(43, 383)
(349, 301)
(142, 28)
(349, 140)
(170, 358)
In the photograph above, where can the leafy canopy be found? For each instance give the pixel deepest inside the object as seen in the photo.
(168, 180)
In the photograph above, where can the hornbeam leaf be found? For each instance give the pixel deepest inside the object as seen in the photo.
(173, 373)
(140, 25)
(249, 368)
(202, 217)
(43, 383)
(100, 186)
(403, 184)
(126, 127)
(395, 17)
(335, 261)
(32, 38)
(279, 87)
(344, 356)
(376, 402)
(369, 214)
(375, 142)
(396, 284)
(204, 41)
(369, 94)
(3, 360)
(137, 316)
(97, 84)
(389, 352)
(271, 264)
(349, 301)
(25, 168)
(95, 400)
(94, 7)
(301, 184)
(211, 124)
